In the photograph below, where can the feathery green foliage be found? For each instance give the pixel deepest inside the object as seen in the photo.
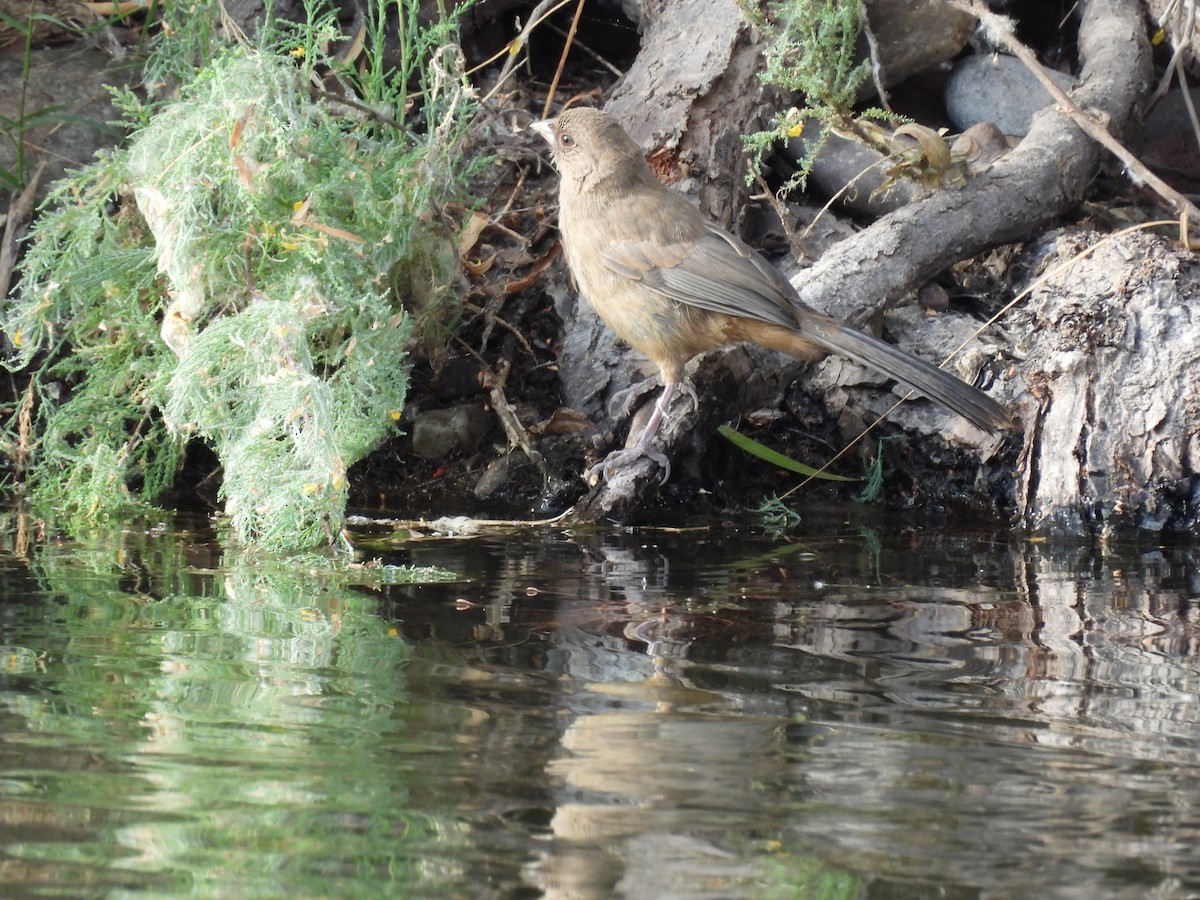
(813, 51)
(83, 326)
(777, 516)
(228, 276)
(812, 54)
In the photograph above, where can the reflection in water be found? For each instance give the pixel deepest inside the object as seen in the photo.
(208, 728)
(850, 713)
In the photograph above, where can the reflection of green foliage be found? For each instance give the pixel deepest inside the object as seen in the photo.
(226, 276)
(311, 612)
(789, 875)
(250, 716)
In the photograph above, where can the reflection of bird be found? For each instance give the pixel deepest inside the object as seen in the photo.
(673, 285)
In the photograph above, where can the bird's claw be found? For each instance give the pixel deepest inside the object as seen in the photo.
(623, 457)
(685, 386)
(623, 402)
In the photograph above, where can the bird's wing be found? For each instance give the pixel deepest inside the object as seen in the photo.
(715, 271)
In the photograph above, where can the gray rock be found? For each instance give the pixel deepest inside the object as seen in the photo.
(1167, 142)
(998, 89)
(440, 432)
(843, 162)
(914, 35)
(67, 83)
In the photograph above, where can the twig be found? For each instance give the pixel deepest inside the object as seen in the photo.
(1181, 35)
(503, 323)
(25, 430)
(876, 66)
(375, 114)
(19, 212)
(542, 11)
(562, 60)
(456, 525)
(1186, 93)
(586, 49)
(844, 189)
(780, 211)
(508, 204)
(517, 435)
(998, 28)
(1179, 23)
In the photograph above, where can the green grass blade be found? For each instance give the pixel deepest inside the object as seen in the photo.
(754, 448)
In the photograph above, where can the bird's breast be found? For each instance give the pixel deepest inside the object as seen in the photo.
(665, 330)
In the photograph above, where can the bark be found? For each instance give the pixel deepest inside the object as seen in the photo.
(690, 95)
(1112, 372)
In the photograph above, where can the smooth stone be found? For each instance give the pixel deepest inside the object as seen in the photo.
(440, 432)
(997, 89)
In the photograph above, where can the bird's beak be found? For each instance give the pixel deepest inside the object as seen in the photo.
(545, 129)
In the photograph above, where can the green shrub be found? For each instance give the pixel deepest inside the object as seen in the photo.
(227, 276)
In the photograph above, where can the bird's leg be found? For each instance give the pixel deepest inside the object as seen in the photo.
(642, 447)
(660, 408)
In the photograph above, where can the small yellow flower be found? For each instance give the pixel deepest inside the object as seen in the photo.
(297, 53)
(16, 339)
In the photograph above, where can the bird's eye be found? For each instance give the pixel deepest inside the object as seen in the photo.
(565, 140)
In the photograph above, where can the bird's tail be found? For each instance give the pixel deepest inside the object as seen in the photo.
(925, 378)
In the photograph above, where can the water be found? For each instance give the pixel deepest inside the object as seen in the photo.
(854, 711)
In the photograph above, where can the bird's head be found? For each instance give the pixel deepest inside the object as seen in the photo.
(589, 146)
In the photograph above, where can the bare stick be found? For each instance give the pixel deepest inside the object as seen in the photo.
(562, 61)
(19, 212)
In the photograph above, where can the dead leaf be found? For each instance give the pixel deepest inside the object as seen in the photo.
(519, 284)
(471, 232)
(563, 420)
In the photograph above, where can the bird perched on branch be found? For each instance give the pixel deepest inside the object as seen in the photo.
(673, 285)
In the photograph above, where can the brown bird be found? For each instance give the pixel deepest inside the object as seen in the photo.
(673, 285)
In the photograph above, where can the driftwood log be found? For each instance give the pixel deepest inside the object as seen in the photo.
(1107, 437)
(1111, 348)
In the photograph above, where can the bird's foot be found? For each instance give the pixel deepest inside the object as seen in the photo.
(685, 386)
(624, 457)
(623, 403)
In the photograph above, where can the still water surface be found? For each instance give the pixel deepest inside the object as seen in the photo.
(855, 710)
